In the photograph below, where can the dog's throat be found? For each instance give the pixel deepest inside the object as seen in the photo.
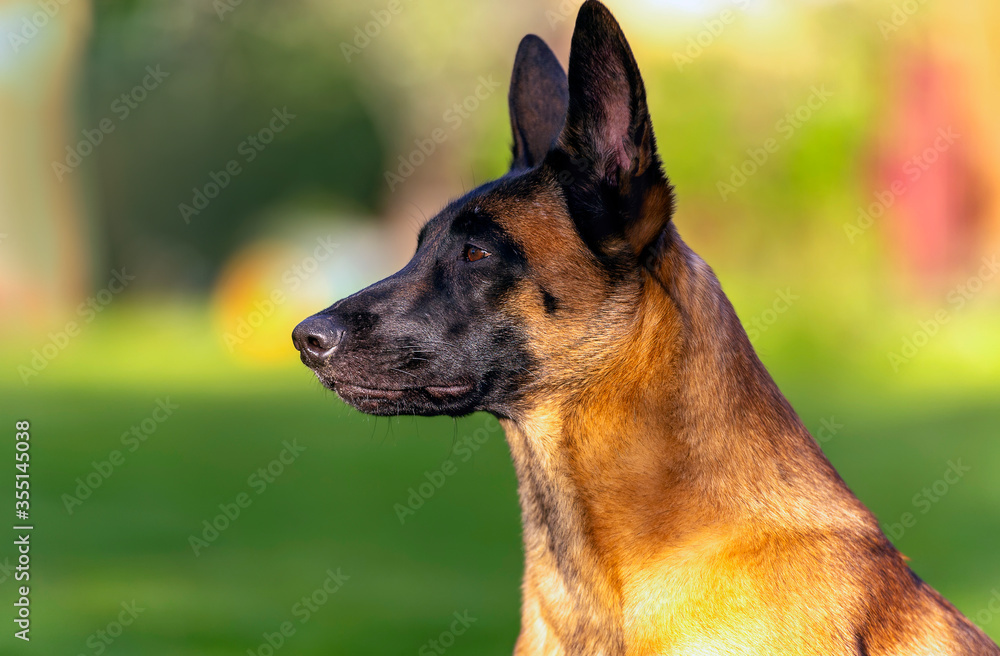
(566, 586)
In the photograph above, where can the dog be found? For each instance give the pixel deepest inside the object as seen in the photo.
(672, 500)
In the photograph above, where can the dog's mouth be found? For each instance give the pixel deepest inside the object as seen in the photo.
(380, 399)
(345, 389)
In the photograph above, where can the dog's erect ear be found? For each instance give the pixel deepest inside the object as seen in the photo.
(608, 136)
(539, 95)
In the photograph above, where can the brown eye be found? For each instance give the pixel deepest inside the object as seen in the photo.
(474, 254)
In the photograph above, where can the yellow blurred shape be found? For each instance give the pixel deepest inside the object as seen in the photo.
(253, 310)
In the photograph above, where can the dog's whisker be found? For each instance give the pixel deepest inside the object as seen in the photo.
(408, 373)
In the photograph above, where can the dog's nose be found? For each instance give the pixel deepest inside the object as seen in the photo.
(317, 338)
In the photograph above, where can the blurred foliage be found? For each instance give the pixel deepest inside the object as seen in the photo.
(225, 79)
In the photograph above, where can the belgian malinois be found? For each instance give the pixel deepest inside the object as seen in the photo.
(672, 500)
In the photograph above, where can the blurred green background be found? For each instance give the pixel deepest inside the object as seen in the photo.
(837, 162)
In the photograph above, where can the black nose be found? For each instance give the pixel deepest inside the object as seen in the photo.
(317, 338)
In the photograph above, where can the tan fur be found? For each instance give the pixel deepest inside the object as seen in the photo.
(673, 503)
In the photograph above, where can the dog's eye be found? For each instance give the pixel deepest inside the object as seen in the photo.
(474, 254)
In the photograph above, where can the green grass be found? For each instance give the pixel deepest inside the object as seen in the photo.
(333, 507)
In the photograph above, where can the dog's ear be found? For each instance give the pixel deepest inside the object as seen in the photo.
(539, 95)
(607, 148)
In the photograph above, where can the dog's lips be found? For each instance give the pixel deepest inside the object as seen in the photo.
(351, 390)
(348, 390)
(447, 391)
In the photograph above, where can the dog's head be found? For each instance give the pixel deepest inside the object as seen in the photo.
(529, 282)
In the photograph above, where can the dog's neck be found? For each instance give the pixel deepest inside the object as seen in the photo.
(633, 467)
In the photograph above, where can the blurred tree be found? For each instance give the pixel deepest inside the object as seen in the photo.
(44, 245)
(256, 108)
